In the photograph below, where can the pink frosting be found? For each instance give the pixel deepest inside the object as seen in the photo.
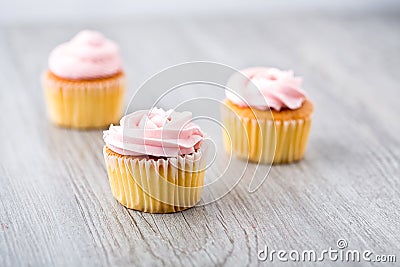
(156, 133)
(280, 89)
(88, 55)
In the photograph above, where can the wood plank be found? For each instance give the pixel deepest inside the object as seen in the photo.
(56, 205)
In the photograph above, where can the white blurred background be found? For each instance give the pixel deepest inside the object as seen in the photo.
(15, 11)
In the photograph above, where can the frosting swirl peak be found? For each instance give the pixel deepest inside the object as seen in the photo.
(154, 133)
(88, 55)
(277, 89)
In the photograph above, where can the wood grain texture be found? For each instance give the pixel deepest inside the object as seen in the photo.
(56, 207)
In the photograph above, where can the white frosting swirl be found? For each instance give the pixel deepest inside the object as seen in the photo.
(154, 133)
(88, 55)
(269, 88)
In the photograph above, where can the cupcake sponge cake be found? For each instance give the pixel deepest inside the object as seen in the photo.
(155, 161)
(270, 124)
(85, 84)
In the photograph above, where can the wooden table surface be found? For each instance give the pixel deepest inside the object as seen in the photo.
(56, 206)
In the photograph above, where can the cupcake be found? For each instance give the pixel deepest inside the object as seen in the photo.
(85, 85)
(155, 161)
(270, 124)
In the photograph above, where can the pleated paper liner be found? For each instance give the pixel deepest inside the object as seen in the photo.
(156, 185)
(265, 140)
(85, 103)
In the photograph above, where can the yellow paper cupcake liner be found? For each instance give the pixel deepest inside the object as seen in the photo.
(84, 104)
(265, 141)
(156, 186)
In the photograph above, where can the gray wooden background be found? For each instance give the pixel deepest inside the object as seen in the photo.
(56, 206)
